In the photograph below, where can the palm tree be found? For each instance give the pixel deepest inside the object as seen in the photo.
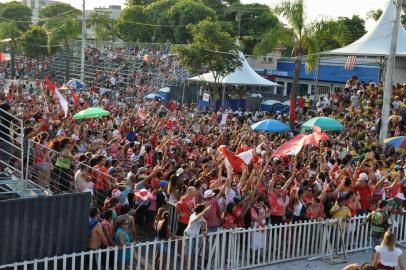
(299, 36)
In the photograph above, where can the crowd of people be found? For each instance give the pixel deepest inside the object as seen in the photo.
(171, 150)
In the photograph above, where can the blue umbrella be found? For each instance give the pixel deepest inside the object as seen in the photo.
(270, 125)
(76, 84)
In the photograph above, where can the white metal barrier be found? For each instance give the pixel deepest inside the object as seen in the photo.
(231, 249)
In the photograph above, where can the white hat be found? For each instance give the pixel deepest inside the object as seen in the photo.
(116, 193)
(180, 171)
(208, 194)
(401, 196)
(363, 176)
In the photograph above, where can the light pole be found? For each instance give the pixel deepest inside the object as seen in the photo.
(389, 74)
(82, 57)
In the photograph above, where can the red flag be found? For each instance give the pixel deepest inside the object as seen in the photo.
(49, 84)
(292, 111)
(236, 162)
(76, 99)
(291, 147)
(143, 195)
(4, 57)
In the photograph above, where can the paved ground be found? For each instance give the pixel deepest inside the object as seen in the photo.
(358, 257)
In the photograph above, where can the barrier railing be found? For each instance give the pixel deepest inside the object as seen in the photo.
(227, 249)
(40, 168)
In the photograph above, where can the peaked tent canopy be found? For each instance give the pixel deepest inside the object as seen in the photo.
(377, 41)
(243, 75)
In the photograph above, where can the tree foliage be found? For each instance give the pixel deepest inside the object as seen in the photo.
(355, 27)
(106, 27)
(132, 25)
(34, 42)
(211, 48)
(18, 12)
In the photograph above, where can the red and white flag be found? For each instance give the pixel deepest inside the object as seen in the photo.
(143, 195)
(237, 162)
(62, 101)
(4, 57)
(291, 147)
(350, 64)
(76, 99)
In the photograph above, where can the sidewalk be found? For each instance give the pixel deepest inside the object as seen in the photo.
(358, 257)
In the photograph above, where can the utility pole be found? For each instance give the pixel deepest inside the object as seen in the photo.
(238, 19)
(82, 57)
(389, 74)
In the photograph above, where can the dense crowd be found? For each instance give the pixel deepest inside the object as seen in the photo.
(172, 151)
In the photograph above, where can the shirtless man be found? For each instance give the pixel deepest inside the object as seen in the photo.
(96, 234)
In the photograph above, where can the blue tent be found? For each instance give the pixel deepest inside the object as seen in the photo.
(165, 93)
(271, 106)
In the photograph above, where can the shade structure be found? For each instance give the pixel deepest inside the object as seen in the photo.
(397, 142)
(165, 93)
(324, 123)
(270, 125)
(91, 112)
(377, 41)
(154, 96)
(243, 75)
(271, 105)
(76, 84)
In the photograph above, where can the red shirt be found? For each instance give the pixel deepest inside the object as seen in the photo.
(230, 221)
(300, 102)
(185, 208)
(100, 178)
(277, 204)
(213, 215)
(365, 194)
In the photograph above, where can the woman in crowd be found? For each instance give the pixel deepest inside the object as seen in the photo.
(62, 173)
(388, 256)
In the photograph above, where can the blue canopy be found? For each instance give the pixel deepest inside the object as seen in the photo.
(76, 84)
(270, 125)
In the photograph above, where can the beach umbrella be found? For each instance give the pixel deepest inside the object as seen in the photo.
(75, 84)
(397, 142)
(324, 123)
(270, 125)
(91, 113)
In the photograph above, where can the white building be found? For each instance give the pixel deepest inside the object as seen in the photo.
(114, 11)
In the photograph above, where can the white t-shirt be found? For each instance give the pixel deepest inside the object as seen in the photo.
(193, 228)
(388, 258)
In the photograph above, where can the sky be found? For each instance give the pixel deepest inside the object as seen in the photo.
(315, 9)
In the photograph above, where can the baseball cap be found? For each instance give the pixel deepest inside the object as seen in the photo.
(163, 183)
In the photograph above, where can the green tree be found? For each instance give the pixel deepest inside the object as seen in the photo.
(105, 27)
(211, 48)
(374, 14)
(132, 25)
(62, 24)
(331, 34)
(299, 36)
(158, 14)
(355, 27)
(34, 42)
(15, 18)
(139, 2)
(186, 12)
(249, 22)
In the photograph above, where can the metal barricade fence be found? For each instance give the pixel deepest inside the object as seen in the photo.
(226, 249)
(40, 168)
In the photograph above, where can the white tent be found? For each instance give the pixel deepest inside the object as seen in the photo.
(377, 41)
(243, 75)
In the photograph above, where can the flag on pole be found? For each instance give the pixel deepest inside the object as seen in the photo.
(50, 85)
(350, 63)
(4, 57)
(143, 195)
(237, 162)
(292, 110)
(62, 102)
(291, 147)
(76, 99)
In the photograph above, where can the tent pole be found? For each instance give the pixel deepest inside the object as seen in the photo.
(389, 75)
(183, 93)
